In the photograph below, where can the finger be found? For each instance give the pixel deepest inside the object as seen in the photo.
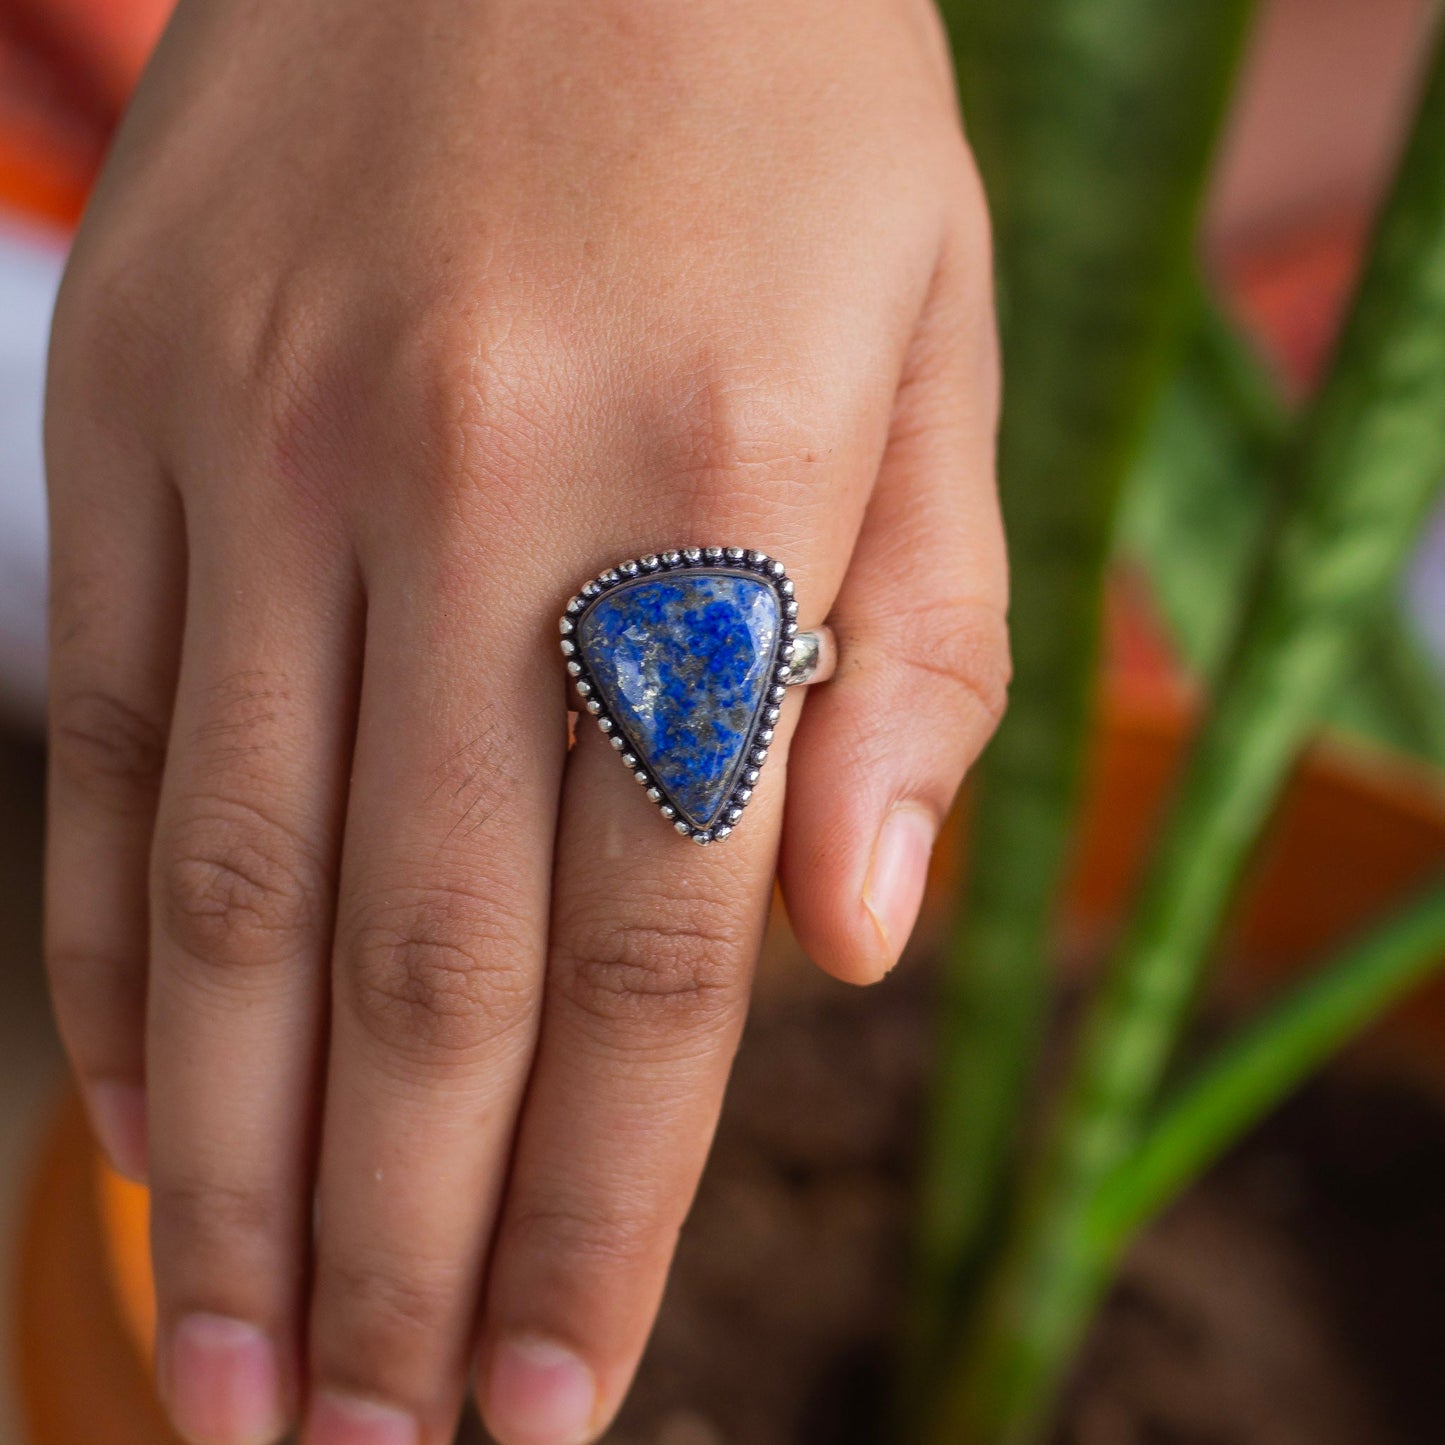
(651, 965)
(923, 652)
(117, 597)
(652, 949)
(243, 876)
(437, 981)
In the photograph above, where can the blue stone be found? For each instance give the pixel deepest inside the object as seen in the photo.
(682, 664)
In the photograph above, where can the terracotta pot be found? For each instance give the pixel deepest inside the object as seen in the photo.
(1355, 835)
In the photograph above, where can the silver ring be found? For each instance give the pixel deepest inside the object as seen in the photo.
(815, 657)
(683, 658)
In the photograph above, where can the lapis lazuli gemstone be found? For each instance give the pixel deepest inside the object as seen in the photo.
(682, 664)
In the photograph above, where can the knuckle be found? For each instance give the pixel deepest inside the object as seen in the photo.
(963, 644)
(739, 435)
(384, 1300)
(304, 395)
(579, 1239)
(674, 977)
(427, 977)
(237, 889)
(211, 1219)
(107, 748)
(487, 400)
(378, 1315)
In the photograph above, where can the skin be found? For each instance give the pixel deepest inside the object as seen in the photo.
(388, 326)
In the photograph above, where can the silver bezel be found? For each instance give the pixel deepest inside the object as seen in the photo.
(726, 561)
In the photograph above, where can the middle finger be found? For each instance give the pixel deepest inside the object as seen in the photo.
(437, 973)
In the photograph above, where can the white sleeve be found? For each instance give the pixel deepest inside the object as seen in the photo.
(30, 266)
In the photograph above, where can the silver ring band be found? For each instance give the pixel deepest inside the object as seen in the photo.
(815, 657)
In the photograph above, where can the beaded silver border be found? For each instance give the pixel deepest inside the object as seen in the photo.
(727, 560)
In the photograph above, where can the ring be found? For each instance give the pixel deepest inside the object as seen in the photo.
(683, 658)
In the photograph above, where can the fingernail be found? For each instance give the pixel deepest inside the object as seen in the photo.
(336, 1419)
(118, 1116)
(539, 1394)
(224, 1383)
(898, 874)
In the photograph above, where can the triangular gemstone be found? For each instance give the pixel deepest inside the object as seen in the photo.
(683, 664)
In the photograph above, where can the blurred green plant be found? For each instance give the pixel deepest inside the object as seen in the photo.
(1194, 514)
(1133, 416)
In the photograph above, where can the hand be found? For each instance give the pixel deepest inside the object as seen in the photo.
(388, 326)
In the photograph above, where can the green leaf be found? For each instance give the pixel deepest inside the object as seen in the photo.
(1196, 513)
(1268, 1061)
(1199, 499)
(1359, 475)
(1093, 121)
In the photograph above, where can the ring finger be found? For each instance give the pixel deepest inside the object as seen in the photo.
(652, 949)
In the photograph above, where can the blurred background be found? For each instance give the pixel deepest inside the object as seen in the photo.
(1285, 1301)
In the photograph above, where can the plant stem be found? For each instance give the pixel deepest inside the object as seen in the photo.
(1093, 121)
(1366, 463)
(1271, 1058)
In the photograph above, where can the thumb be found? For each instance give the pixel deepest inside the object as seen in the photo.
(923, 653)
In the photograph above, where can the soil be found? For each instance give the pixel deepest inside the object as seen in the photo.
(1293, 1298)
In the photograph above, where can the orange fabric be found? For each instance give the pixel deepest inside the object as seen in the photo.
(101, 44)
(67, 68)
